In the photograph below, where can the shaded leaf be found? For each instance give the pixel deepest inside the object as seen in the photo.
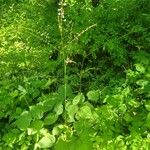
(50, 118)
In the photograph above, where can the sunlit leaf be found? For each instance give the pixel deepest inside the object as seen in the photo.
(93, 95)
(58, 109)
(85, 112)
(36, 111)
(72, 110)
(79, 98)
(46, 142)
(140, 68)
(24, 120)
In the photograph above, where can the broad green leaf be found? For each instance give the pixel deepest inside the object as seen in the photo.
(48, 103)
(62, 145)
(82, 143)
(14, 93)
(140, 68)
(148, 120)
(114, 100)
(85, 112)
(62, 89)
(22, 90)
(93, 95)
(58, 129)
(49, 82)
(58, 109)
(18, 110)
(76, 143)
(31, 131)
(46, 142)
(147, 89)
(142, 82)
(50, 118)
(11, 136)
(133, 103)
(128, 117)
(37, 124)
(24, 146)
(23, 122)
(123, 108)
(147, 105)
(79, 98)
(71, 111)
(36, 111)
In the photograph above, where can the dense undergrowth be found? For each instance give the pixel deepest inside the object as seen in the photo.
(75, 75)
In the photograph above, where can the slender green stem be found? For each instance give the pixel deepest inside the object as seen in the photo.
(60, 23)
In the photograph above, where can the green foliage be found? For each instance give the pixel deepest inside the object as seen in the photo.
(74, 75)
